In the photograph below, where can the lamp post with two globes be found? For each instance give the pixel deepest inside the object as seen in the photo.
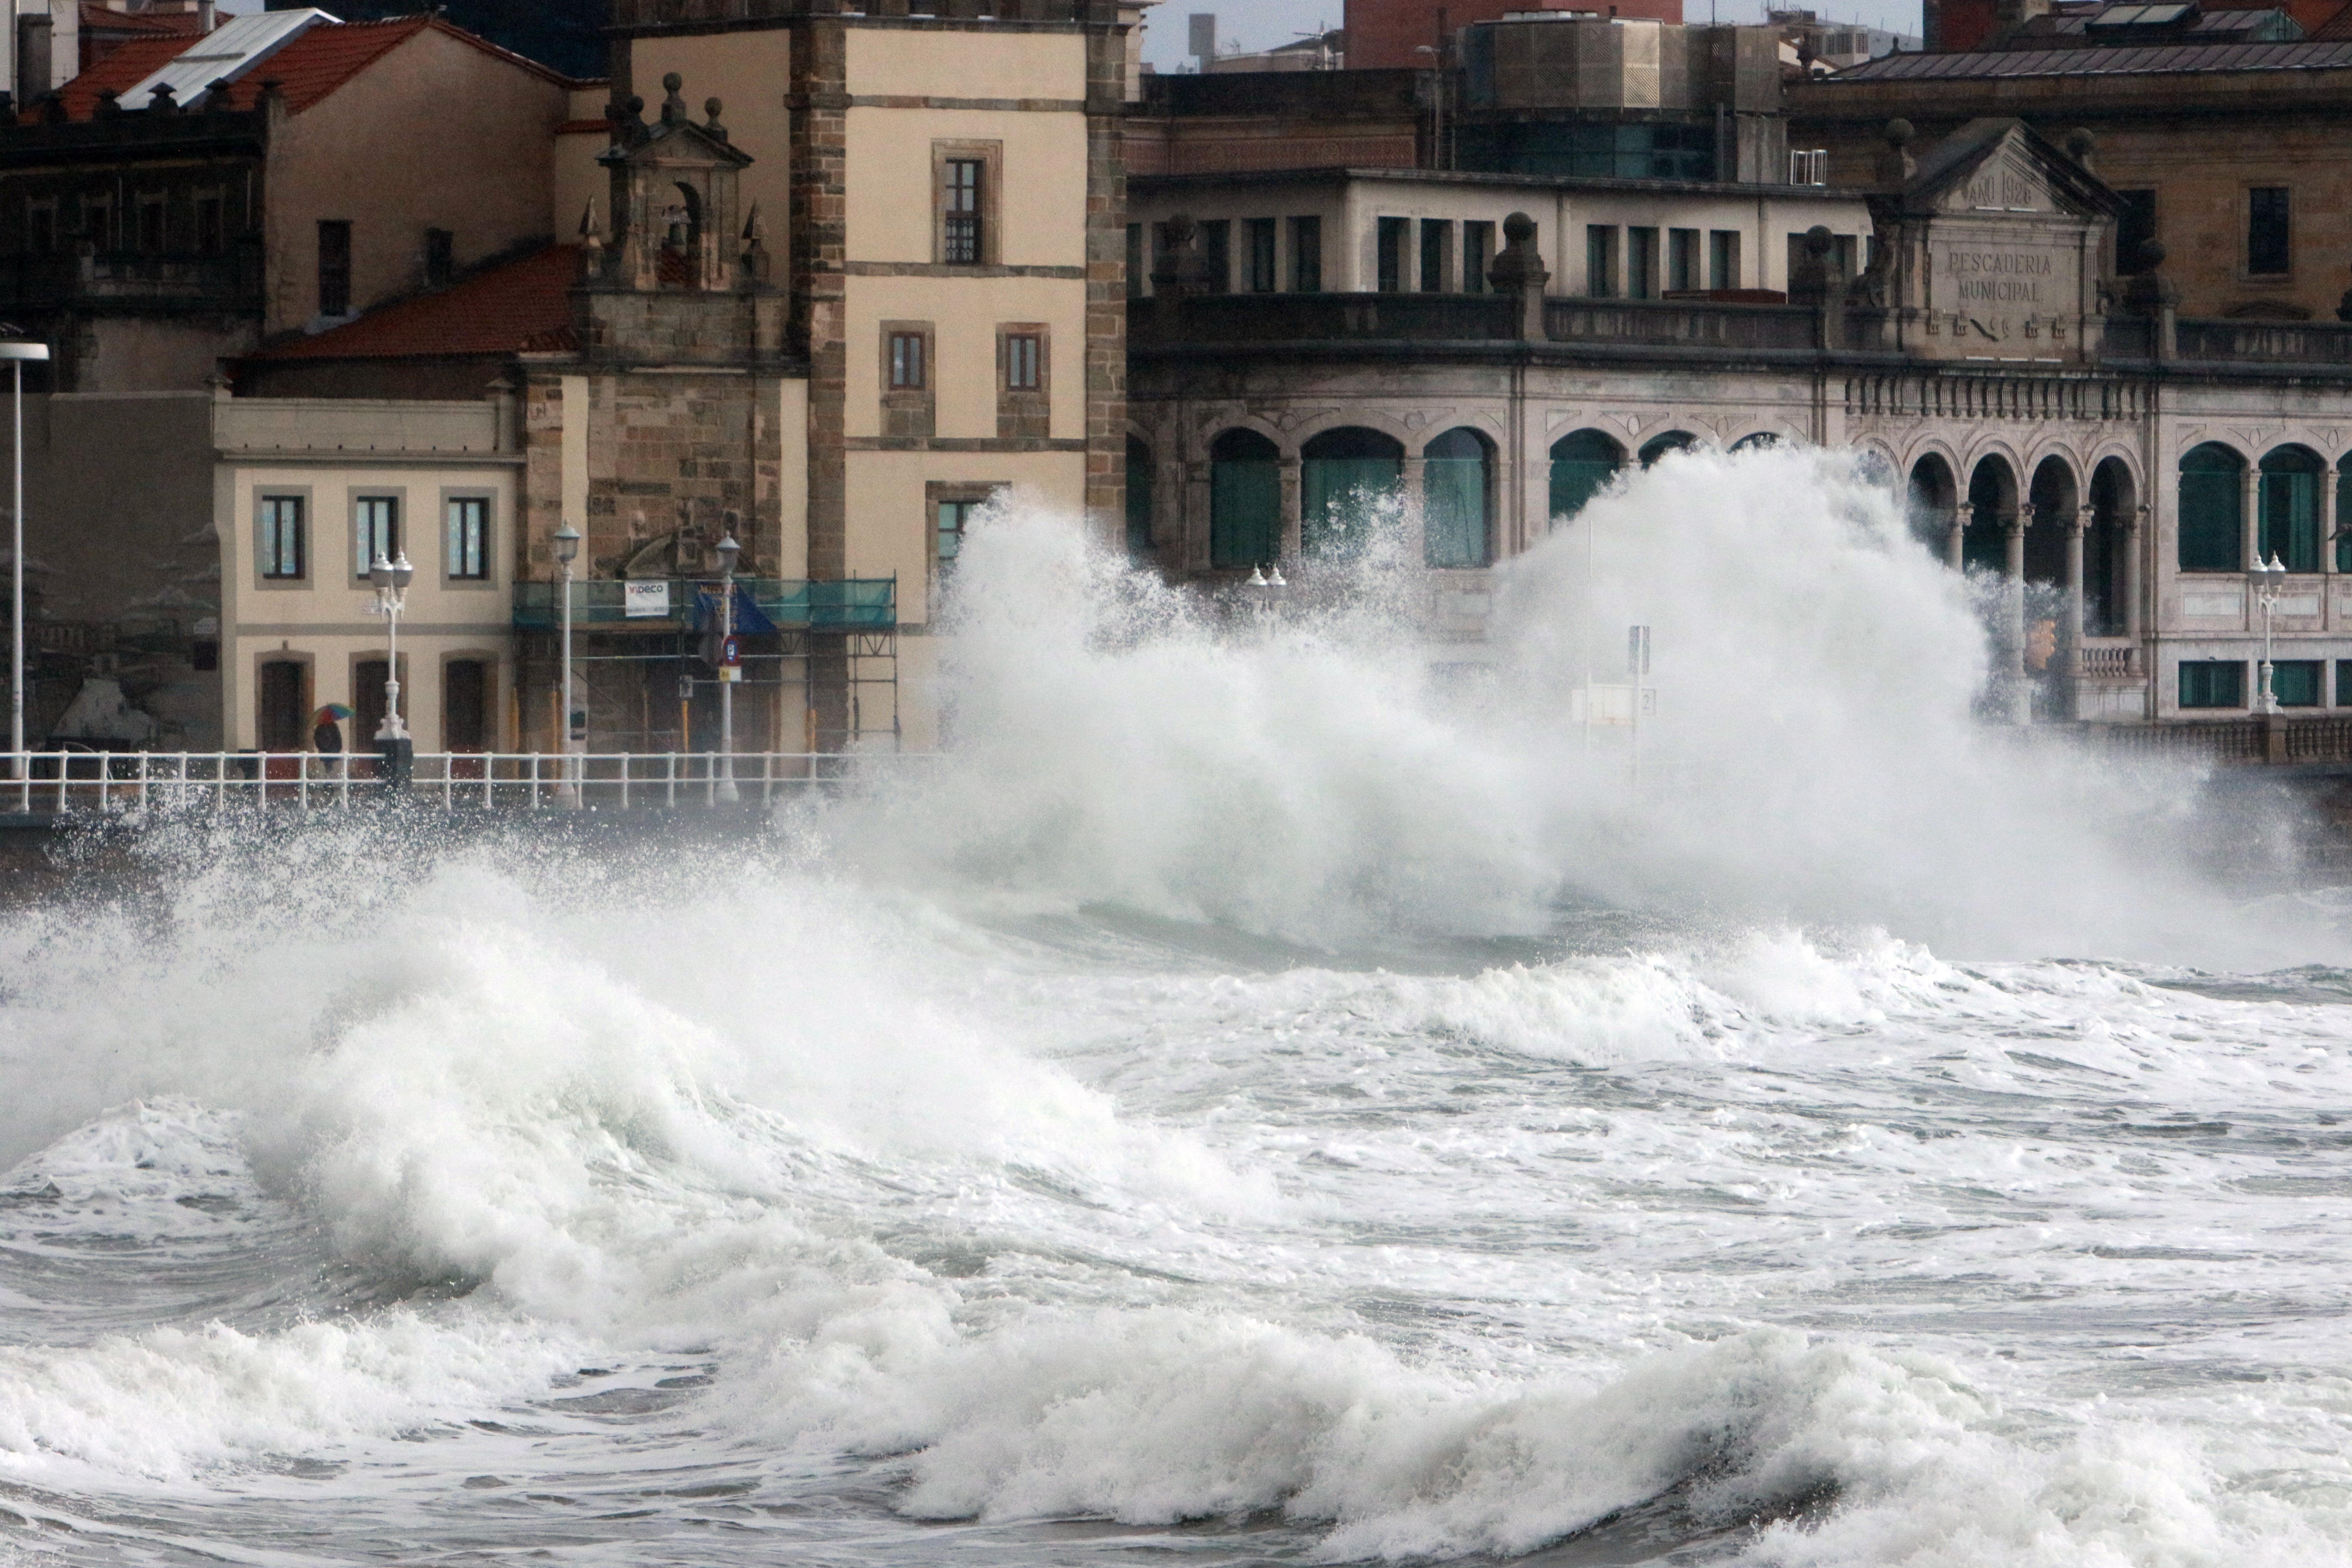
(730, 668)
(393, 744)
(2267, 577)
(576, 723)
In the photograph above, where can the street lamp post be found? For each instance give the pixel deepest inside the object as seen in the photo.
(392, 743)
(575, 725)
(18, 355)
(728, 671)
(2267, 579)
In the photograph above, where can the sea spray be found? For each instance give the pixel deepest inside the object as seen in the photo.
(1814, 758)
(1036, 1141)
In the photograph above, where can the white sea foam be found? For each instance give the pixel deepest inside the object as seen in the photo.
(1040, 1138)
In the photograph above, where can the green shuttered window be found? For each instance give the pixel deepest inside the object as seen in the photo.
(2212, 526)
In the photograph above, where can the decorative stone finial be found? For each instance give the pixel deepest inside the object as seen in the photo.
(165, 100)
(2080, 144)
(1519, 270)
(1896, 165)
(2150, 292)
(711, 108)
(673, 105)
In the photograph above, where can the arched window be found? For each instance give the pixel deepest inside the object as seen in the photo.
(2105, 583)
(1455, 499)
(2290, 506)
(1993, 501)
(1342, 473)
(1140, 477)
(2212, 523)
(1934, 495)
(2343, 513)
(1672, 441)
(1245, 500)
(1759, 441)
(2056, 499)
(1582, 463)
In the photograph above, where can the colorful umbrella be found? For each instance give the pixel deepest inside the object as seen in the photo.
(332, 710)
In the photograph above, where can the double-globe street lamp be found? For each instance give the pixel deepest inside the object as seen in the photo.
(576, 723)
(18, 355)
(2268, 579)
(730, 668)
(391, 579)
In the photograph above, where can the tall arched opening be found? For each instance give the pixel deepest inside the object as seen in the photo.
(1582, 464)
(1343, 476)
(1245, 500)
(1457, 506)
(2213, 509)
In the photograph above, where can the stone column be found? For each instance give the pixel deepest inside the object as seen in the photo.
(1955, 541)
(2252, 520)
(2012, 584)
(2326, 531)
(1292, 528)
(2130, 522)
(1416, 495)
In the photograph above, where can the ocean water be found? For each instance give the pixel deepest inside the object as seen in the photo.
(1267, 1096)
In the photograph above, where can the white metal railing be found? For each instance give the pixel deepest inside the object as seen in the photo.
(54, 783)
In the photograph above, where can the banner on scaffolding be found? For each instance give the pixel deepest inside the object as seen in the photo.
(644, 600)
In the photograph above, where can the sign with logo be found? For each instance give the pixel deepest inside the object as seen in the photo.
(644, 600)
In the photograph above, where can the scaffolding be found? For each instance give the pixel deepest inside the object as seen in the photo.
(828, 671)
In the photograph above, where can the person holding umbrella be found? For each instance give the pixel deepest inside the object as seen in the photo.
(327, 740)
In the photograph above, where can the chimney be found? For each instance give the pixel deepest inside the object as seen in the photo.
(207, 18)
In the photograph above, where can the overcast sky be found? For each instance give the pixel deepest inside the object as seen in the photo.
(1262, 24)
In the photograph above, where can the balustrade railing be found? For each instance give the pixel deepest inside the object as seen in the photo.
(1663, 323)
(2226, 741)
(2111, 663)
(2302, 342)
(1287, 318)
(1666, 323)
(70, 784)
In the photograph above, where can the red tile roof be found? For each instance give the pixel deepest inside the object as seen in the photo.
(317, 62)
(522, 306)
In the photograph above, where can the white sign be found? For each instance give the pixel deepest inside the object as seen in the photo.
(643, 600)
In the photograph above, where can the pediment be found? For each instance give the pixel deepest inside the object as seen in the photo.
(2005, 183)
(2003, 168)
(671, 144)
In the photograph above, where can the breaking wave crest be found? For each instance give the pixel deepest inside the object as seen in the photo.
(1252, 1081)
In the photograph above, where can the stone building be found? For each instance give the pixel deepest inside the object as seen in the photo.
(191, 196)
(2117, 463)
(827, 301)
(2229, 153)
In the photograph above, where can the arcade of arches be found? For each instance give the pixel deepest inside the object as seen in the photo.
(2068, 544)
(1344, 482)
